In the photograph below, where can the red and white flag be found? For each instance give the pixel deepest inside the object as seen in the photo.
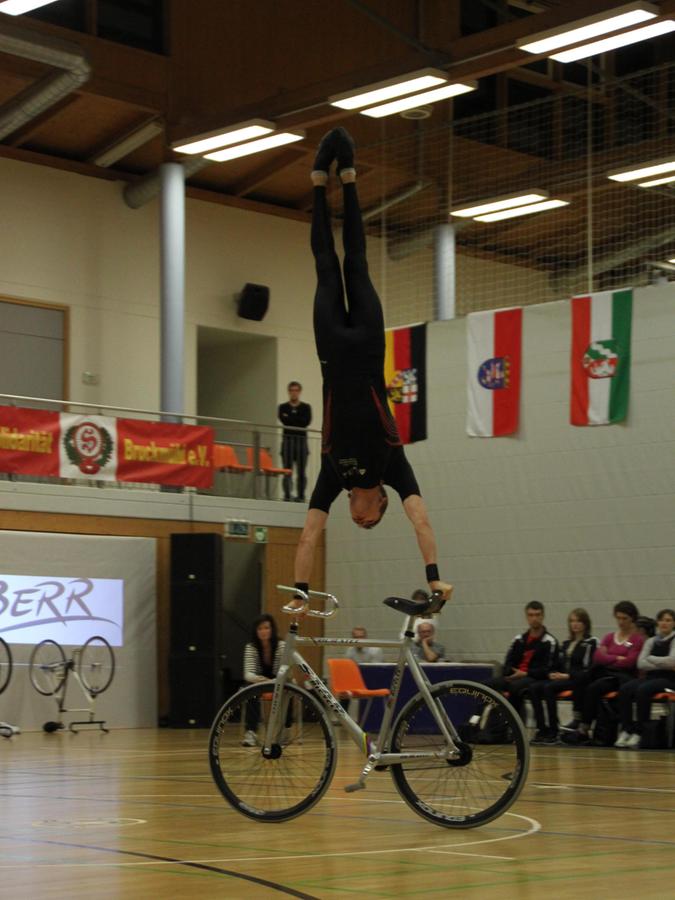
(494, 355)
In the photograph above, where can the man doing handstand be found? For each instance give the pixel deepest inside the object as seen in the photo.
(361, 449)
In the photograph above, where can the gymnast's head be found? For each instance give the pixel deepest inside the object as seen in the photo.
(368, 505)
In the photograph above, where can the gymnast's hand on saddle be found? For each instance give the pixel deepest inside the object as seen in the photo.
(442, 588)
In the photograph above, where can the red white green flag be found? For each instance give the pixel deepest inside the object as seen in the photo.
(600, 364)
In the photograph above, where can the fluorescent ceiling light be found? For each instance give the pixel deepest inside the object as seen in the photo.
(266, 143)
(646, 170)
(587, 28)
(499, 203)
(223, 137)
(522, 211)
(386, 90)
(442, 93)
(18, 7)
(671, 260)
(617, 40)
(656, 181)
(128, 144)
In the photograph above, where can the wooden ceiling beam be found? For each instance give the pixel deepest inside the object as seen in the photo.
(23, 135)
(268, 170)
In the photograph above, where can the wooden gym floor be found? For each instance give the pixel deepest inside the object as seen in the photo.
(134, 814)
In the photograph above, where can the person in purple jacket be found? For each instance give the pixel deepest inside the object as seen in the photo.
(614, 663)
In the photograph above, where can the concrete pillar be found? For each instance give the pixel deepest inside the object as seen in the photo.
(172, 264)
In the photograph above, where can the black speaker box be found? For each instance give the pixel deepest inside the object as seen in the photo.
(253, 302)
(196, 593)
(197, 691)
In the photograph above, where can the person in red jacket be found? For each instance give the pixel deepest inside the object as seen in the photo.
(614, 663)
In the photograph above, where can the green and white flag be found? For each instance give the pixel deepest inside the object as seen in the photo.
(601, 335)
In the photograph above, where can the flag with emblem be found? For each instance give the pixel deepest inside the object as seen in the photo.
(600, 364)
(405, 377)
(494, 356)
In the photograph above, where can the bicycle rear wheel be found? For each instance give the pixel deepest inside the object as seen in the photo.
(47, 667)
(303, 757)
(5, 665)
(487, 777)
(96, 665)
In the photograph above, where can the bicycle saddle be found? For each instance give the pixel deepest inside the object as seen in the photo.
(432, 604)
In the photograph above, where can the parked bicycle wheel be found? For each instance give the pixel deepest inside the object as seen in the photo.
(303, 758)
(47, 667)
(96, 665)
(485, 780)
(5, 665)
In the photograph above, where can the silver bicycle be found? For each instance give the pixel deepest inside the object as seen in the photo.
(436, 748)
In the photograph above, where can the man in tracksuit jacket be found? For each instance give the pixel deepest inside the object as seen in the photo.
(529, 659)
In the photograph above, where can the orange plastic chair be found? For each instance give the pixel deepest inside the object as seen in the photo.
(225, 458)
(265, 463)
(347, 683)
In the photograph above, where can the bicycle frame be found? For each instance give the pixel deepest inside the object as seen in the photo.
(378, 753)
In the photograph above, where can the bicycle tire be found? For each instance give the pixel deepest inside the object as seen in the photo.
(47, 667)
(488, 777)
(96, 665)
(6, 665)
(278, 789)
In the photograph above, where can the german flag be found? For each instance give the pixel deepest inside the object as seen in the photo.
(405, 376)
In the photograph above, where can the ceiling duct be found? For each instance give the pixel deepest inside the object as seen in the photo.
(38, 97)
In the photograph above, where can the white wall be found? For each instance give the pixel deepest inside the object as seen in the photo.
(71, 240)
(569, 516)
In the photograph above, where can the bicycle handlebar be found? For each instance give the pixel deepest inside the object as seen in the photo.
(305, 597)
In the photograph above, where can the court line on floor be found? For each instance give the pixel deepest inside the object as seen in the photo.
(535, 826)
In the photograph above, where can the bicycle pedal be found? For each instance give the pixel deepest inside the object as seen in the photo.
(350, 788)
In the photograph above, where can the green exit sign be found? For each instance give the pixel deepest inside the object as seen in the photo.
(260, 534)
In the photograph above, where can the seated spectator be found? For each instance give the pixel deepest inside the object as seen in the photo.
(614, 663)
(363, 654)
(575, 657)
(529, 659)
(657, 661)
(646, 626)
(426, 648)
(262, 658)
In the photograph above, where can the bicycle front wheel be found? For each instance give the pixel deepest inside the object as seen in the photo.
(47, 667)
(5, 665)
(96, 665)
(303, 757)
(492, 767)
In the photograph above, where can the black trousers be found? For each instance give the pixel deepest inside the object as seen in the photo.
(517, 689)
(347, 336)
(592, 686)
(294, 453)
(639, 691)
(545, 693)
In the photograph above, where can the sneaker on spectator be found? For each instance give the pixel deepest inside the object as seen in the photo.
(571, 726)
(541, 737)
(622, 740)
(633, 742)
(552, 737)
(249, 740)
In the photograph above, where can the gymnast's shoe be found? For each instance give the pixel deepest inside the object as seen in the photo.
(327, 151)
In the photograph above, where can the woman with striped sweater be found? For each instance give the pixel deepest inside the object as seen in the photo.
(262, 658)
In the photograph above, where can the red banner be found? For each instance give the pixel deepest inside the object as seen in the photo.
(29, 441)
(164, 453)
(37, 442)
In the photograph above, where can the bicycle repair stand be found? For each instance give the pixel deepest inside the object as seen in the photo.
(60, 696)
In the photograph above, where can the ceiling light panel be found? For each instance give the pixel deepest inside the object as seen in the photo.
(646, 170)
(397, 106)
(626, 16)
(19, 7)
(224, 137)
(279, 139)
(656, 181)
(499, 203)
(645, 33)
(521, 211)
(387, 90)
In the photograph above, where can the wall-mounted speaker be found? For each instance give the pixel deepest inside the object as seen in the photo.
(253, 302)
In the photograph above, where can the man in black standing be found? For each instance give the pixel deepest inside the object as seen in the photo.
(294, 415)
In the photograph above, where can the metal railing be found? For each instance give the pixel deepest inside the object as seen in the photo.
(246, 438)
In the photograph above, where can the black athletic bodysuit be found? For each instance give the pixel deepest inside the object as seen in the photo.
(360, 443)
